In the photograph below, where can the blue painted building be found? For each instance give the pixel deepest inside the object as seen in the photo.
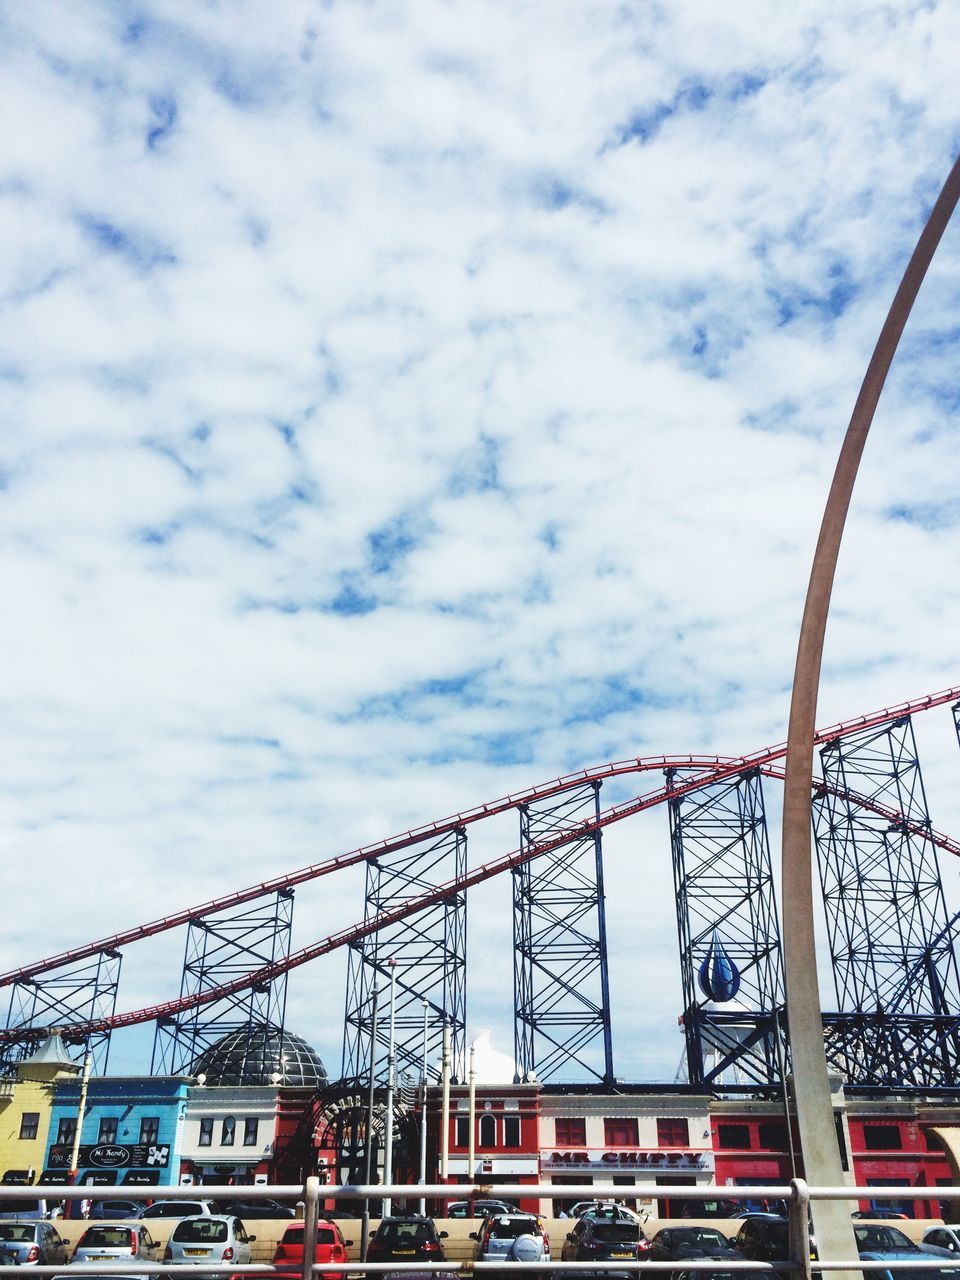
(131, 1133)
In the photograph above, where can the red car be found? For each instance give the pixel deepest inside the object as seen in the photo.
(331, 1247)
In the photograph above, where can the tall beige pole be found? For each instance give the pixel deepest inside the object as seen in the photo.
(818, 1142)
(445, 1104)
(472, 1112)
(73, 1206)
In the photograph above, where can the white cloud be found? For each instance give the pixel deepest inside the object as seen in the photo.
(407, 405)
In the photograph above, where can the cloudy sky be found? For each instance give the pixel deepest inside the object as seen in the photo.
(407, 403)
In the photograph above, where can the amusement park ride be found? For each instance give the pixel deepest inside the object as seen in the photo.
(897, 1020)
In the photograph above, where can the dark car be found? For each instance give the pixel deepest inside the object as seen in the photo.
(255, 1209)
(410, 1238)
(675, 1244)
(763, 1239)
(116, 1209)
(889, 1246)
(478, 1208)
(596, 1239)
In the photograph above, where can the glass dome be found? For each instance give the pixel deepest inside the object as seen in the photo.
(263, 1055)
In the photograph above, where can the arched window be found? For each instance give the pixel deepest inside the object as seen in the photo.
(488, 1131)
(227, 1131)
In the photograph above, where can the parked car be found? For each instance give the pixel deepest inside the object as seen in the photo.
(946, 1239)
(116, 1209)
(107, 1242)
(603, 1239)
(29, 1208)
(407, 1238)
(254, 1209)
(478, 1208)
(766, 1239)
(881, 1214)
(31, 1243)
(889, 1246)
(209, 1238)
(331, 1247)
(512, 1237)
(721, 1275)
(178, 1209)
(604, 1208)
(680, 1243)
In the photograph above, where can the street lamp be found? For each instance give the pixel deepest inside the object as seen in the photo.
(391, 1084)
(423, 1109)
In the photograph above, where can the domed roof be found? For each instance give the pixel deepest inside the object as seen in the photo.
(257, 1057)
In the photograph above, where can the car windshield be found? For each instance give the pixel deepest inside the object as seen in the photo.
(108, 1237)
(511, 1228)
(14, 1231)
(675, 1237)
(201, 1231)
(884, 1239)
(405, 1232)
(621, 1232)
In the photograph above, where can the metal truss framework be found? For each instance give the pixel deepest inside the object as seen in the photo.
(430, 950)
(891, 942)
(723, 879)
(86, 991)
(561, 987)
(220, 948)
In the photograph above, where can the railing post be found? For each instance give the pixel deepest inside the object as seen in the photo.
(799, 1217)
(311, 1212)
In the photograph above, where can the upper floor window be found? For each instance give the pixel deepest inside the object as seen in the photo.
(206, 1132)
(250, 1128)
(488, 1131)
(149, 1128)
(227, 1131)
(673, 1133)
(463, 1131)
(882, 1137)
(772, 1134)
(571, 1131)
(66, 1130)
(29, 1124)
(621, 1133)
(108, 1129)
(733, 1137)
(511, 1131)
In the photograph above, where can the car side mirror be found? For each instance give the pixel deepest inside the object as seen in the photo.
(348, 1242)
(444, 1235)
(372, 1234)
(250, 1239)
(571, 1237)
(474, 1235)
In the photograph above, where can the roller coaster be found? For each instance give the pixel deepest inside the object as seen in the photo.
(891, 941)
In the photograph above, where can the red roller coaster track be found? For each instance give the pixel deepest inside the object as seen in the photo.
(700, 771)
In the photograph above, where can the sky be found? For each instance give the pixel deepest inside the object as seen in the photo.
(406, 404)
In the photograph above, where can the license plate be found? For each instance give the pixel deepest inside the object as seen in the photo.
(195, 1253)
(405, 1253)
(621, 1255)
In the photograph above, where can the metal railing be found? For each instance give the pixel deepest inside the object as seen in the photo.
(797, 1196)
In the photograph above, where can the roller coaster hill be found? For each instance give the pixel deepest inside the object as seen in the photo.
(896, 1022)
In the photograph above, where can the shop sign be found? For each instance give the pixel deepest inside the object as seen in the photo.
(697, 1161)
(113, 1155)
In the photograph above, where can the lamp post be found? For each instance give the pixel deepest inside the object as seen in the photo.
(368, 1152)
(472, 1112)
(423, 1110)
(391, 1084)
(445, 1105)
(72, 1208)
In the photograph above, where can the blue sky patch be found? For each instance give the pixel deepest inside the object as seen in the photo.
(139, 251)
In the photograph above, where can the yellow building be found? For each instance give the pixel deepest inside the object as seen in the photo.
(25, 1107)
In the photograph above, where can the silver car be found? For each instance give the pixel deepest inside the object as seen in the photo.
(116, 1242)
(215, 1238)
(31, 1243)
(512, 1237)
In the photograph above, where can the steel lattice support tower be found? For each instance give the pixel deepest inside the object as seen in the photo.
(430, 950)
(956, 718)
(219, 948)
(891, 942)
(81, 992)
(723, 879)
(560, 980)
